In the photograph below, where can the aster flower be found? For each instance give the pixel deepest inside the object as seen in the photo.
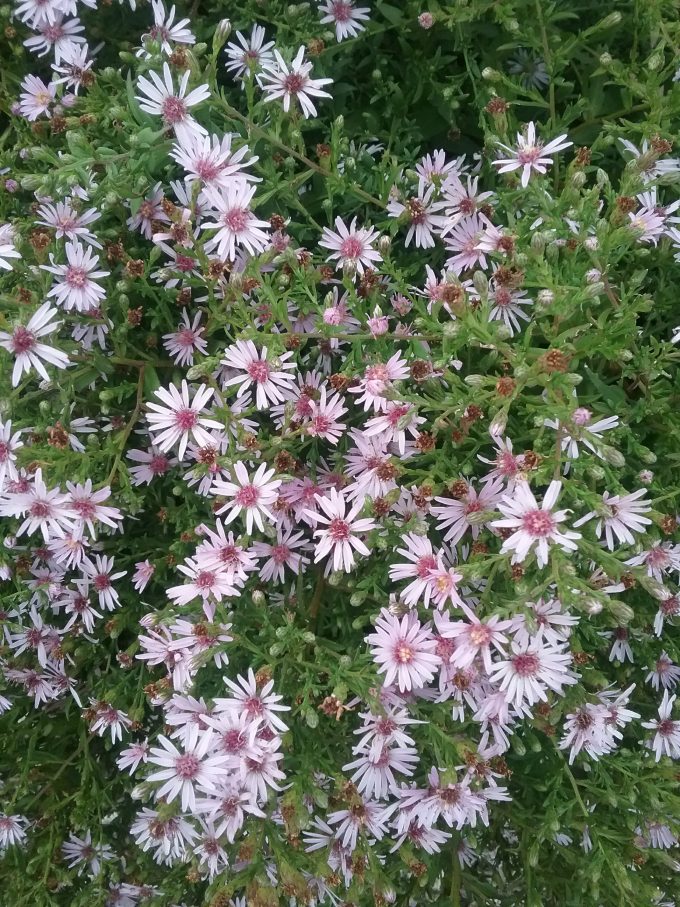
(434, 169)
(56, 37)
(178, 417)
(269, 376)
(74, 69)
(66, 221)
(100, 573)
(351, 247)
(158, 98)
(324, 417)
(378, 381)
(421, 214)
(107, 718)
(506, 306)
(581, 429)
(186, 340)
(421, 561)
(475, 637)
(254, 496)
(165, 30)
(293, 81)
(39, 12)
(471, 512)
(133, 756)
(81, 852)
(366, 816)
(47, 511)
(7, 246)
(648, 160)
(250, 55)
(664, 673)
(347, 18)
(25, 346)
(530, 155)
(211, 160)
(666, 739)
(12, 831)
(464, 241)
(88, 507)
(76, 286)
(234, 221)
(36, 98)
(280, 554)
(533, 526)
(374, 769)
(183, 771)
(153, 462)
(257, 702)
(340, 534)
(619, 516)
(530, 669)
(9, 443)
(404, 651)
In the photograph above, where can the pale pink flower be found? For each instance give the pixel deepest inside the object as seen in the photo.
(472, 511)
(81, 852)
(209, 585)
(99, 573)
(47, 511)
(73, 68)
(281, 554)
(88, 507)
(375, 769)
(404, 651)
(12, 831)
(530, 155)
(393, 426)
(178, 418)
(25, 345)
(211, 160)
(76, 286)
(9, 444)
(165, 30)
(262, 704)
(463, 241)
(186, 340)
(269, 376)
(619, 516)
(108, 718)
(254, 496)
(153, 463)
(368, 817)
(158, 98)
(346, 17)
(149, 210)
(7, 246)
(132, 756)
(220, 550)
(184, 771)
(233, 219)
(531, 669)
(422, 215)
(582, 430)
(35, 98)
(435, 169)
(352, 247)
(323, 417)
(666, 740)
(67, 222)
(293, 81)
(421, 561)
(664, 673)
(475, 637)
(250, 55)
(533, 526)
(340, 535)
(378, 380)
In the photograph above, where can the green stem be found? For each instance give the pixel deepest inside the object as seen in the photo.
(456, 876)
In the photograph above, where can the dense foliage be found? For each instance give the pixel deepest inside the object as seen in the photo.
(339, 453)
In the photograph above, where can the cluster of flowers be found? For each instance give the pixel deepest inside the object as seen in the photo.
(358, 496)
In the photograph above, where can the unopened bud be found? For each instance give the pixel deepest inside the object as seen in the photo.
(613, 456)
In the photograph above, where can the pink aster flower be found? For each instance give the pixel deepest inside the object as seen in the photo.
(35, 98)
(324, 417)
(475, 637)
(376, 770)
(666, 739)
(471, 511)
(346, 17)
(211, 160)
(250, 55)
(351, 247)
(421, 561)
(619, 516)
(144, 570)
(76, 286)
(178, 417)
(378, 380)
(530, 154)
(186, 340)
(268, 375)
(531, 669)
(664, 673)
(422, 215)
(47, 511)
(9, 444)
(394, 425)
(254, 496)
(209, 585)
(68, 222)
(158, 98)
(133, 756)
(165, 30)
(533, 526)
(280, 554)
(340, 535)
(258, 703)
(7, 246)
(233, 219)
(184, 771)
(281, 80)
(153, 462)
(88, 506)
(405, 651)
(25, 345)
(12, 831)
(100, 573)
(463, 240)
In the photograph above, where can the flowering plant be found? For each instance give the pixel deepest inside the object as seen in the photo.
(339, 454)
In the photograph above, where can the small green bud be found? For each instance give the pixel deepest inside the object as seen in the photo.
(491, 75)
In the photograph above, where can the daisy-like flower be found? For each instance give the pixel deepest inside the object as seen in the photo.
(182, 771)
(56, 37)
(234, 221)
(435, 169)
(347, 18)
(530, 155)
(88, 506)
(132, 756)
(25, 346)
(469, 512)
(108, 718)
(250, 55)
(40, 12)
(421, 561)
(375, 769)
(378, 381)
(293, 81)
(160, 99)
(664, 673)
(76, 286)
(209, 585)
(35, 98)
(506, 306)
(463, 240)
(666, 739)
(74, 68)
(474, 637)
(12, 831)
(647, 160)
(9, 443)
(178, 417)
(47, 511)
(405, 651)
(254, 496)
(324, 415)
(421, 215)
(281, 554)
(81, 852)
(100, 574)
(153, 462)
(530, 669)
(7, 247)
(619, 516)
(257, 703)
(269, 377)
(352, 247)
(582, 430)
(340, 535)
(165, 30)
(68, 222)
(211, 160)
(533, 526)
(186, 340)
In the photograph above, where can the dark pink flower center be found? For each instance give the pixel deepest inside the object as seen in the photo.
(187, 766)
(258, 371)
(101, 582)
(86, 509)
(480, 635)
(174, 110)
(294, 82)
(529, 155)
(40, 509)
(185, 419)
(76, 277)
(236, 219)
(159, 464)
(538, 523)
(23, 340)
(666, 727)
(424, 565)
(351, 247)
(205, 579)
(339, 530)
(526, 665)
(248, 496)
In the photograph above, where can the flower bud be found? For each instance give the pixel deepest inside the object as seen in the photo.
(357, 599)
(481, 283)
(606, 59)
(611, 20)
(537, 242)
(491, 75)
(546, 297)
(621, 611)
(384, 244)
(601, 178)
(594, 290)
(222, 31)
(474, 380)
(335, 579)
(578, 179)
(258, 597)
(613, 456)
